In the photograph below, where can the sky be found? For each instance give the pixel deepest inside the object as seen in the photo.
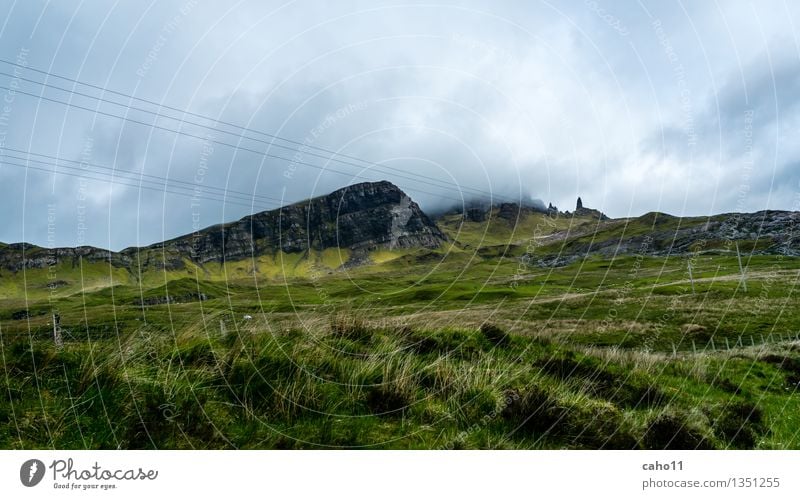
(163, 117)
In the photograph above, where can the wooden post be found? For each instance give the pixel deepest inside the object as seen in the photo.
(741, 268)
(57, 339)
(691, 278)
(694, 348)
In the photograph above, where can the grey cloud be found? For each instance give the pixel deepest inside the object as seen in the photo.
(527, 102)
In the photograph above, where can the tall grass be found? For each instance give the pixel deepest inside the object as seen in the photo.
(352, 384)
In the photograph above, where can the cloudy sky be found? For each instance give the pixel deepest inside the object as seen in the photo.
(685, 107)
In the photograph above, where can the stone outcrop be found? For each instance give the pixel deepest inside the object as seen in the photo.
(762, 233)
(582, 211)
(359, 217)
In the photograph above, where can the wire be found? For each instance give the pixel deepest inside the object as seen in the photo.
(111, 176)
(448, 185)
(213, 141)
(195, 185)
(117, 182)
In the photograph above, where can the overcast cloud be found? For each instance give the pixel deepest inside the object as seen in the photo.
(689, 108)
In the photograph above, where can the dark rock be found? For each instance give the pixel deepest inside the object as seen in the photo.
(475, 215)
(509, 211)
(582, 211)
(162, 300)
(19, 315)
(359, 217)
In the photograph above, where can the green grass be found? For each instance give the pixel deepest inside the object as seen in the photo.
(467, 346)
(353, 385)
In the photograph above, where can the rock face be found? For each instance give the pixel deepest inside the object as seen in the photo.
(761, 233)
(476, 215)
(582, 211)
(510, 212)
(359, 217)
(15, 257)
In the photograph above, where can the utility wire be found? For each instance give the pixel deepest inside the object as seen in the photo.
(196, 192)
(165, 189)
(195, 185)
(218, 142)
(449, 185)
(182, 121)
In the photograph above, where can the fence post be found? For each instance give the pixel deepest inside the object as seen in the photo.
(741, 268)
(57, 339)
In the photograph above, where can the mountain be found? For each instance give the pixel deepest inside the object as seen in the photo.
(371, 223)
(481, 225)
(359, 218)
(654, 234)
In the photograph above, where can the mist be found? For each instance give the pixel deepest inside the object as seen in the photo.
(528, 104)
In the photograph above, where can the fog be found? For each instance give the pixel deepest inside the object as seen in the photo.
(635, 107)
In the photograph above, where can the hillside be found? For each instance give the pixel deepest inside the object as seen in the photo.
(326, 233)
(501, 327)
(376, 227)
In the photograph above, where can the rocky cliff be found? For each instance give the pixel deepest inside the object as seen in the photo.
(658, 234)
(360, 217)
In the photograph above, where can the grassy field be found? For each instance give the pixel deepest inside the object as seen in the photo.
(476, 345)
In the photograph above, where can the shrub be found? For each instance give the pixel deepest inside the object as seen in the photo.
(675, 432)
(790, 365)
(601, 426)
(475, 404)
(536, 410)
(740, 425)
(387, 400)
(629, 388)
(350, 327)
(445, 342)
(494, 334)
(196, 353)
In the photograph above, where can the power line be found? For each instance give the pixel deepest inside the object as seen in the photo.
(398, 172)
(138, 186)
(218, 142)
(109, 177)
(195, 185)
(449, 185)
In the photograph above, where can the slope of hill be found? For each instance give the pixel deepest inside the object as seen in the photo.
(375, 227)
(565, 329)
(327, 232)
(760, 233)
